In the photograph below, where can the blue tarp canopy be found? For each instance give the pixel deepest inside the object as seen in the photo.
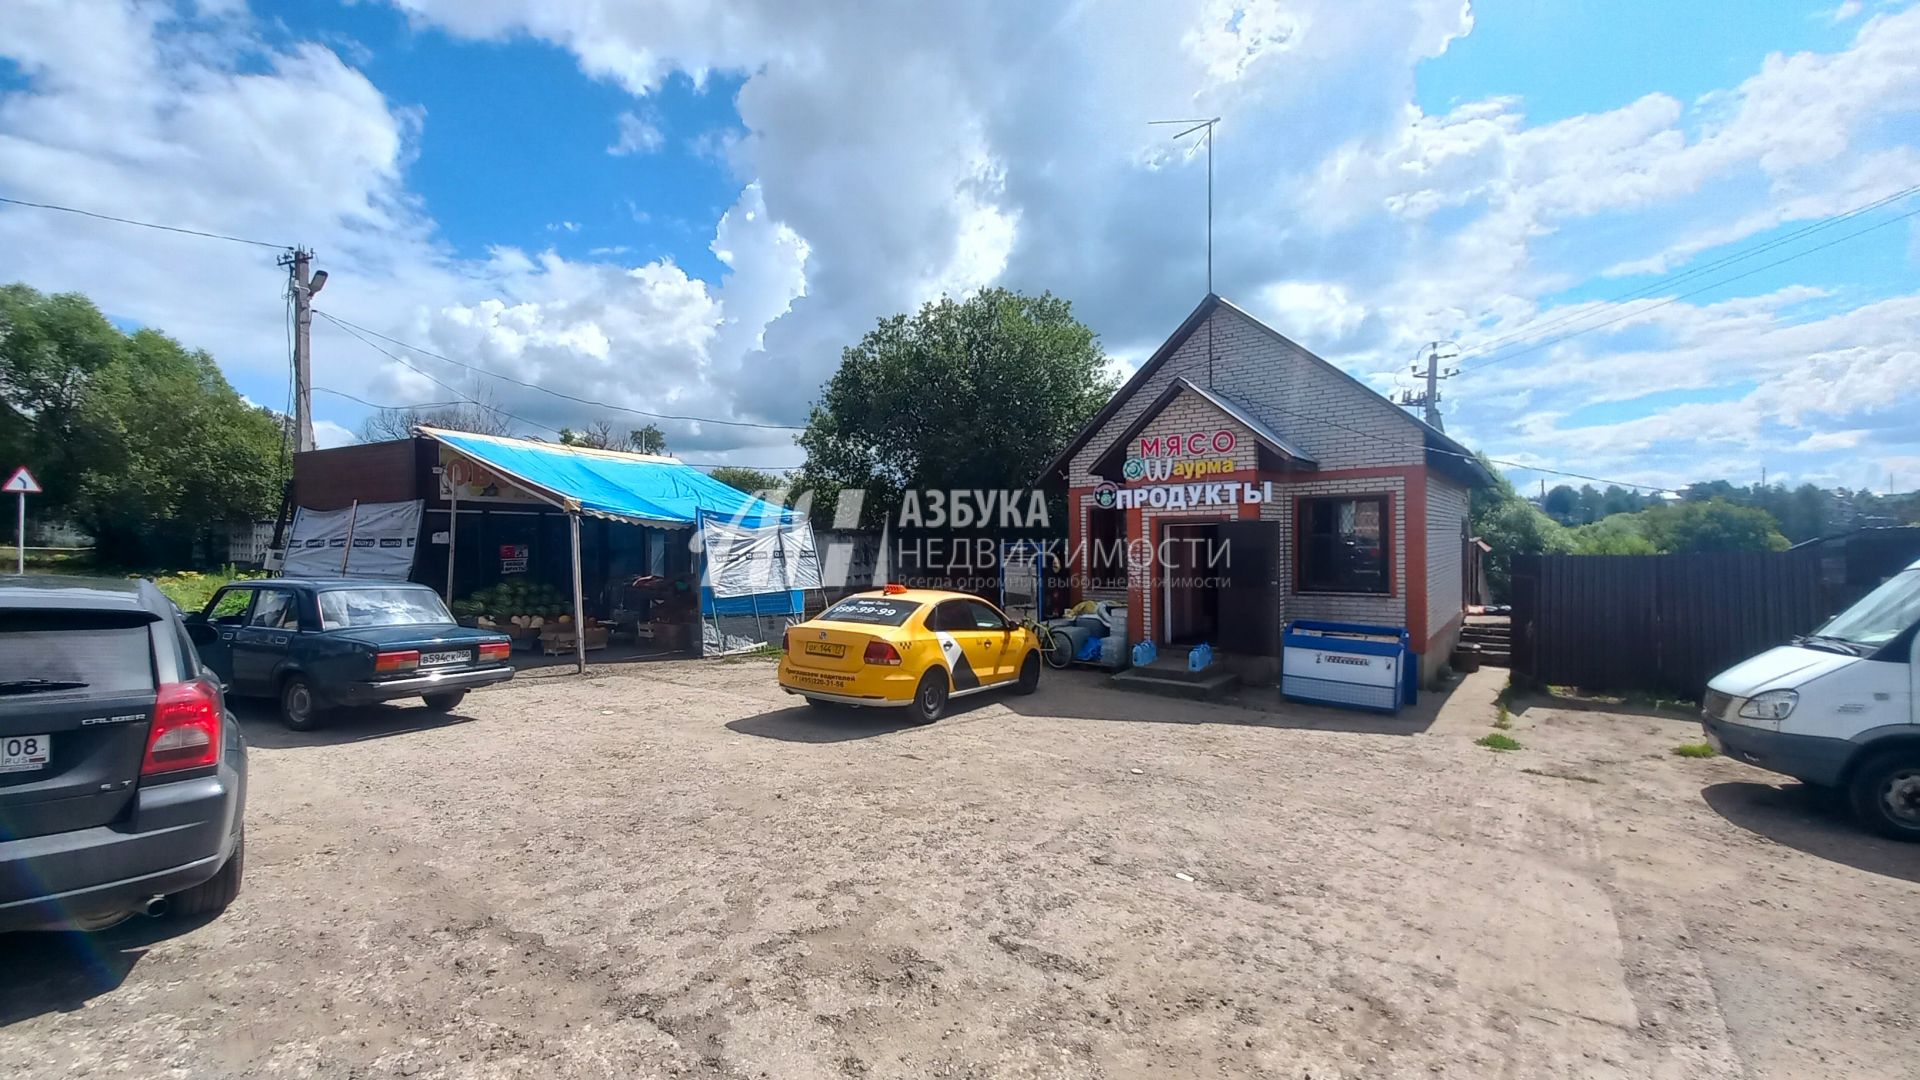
(639, 488)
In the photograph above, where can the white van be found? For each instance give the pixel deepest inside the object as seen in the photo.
(1837, 707)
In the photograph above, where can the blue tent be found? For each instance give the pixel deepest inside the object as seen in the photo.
(642, 489)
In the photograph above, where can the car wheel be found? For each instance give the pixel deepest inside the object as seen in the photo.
(1886, 794)
(930, 697)
(445, 702)
(212, 896)
(1029, 674)
(299, 709)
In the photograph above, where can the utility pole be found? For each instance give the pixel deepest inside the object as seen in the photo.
(300, 262)
(1429, 401)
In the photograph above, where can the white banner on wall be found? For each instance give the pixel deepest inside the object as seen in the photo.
(384, 538)
(744, 561)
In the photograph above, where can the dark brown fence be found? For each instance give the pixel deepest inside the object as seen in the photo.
(1663, 623)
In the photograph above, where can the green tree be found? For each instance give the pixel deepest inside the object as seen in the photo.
(139, 440)
(1619, 534)
(973, 393)
(1511, 526)
(1562, 503)
(1713, 525)
(748, 480)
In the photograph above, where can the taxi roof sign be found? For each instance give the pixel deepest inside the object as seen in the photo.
(21, 482)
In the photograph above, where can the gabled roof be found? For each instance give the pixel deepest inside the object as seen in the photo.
(1442, 450)
(644, 489)
(1269, 440)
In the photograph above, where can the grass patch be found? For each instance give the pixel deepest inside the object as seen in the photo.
(768, 651)
(1497, 741)
(1695, 750)
(1503, 721)
(191, 589)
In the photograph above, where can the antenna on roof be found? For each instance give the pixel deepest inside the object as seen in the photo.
(1206, 140)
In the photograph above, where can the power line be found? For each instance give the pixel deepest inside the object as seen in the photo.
(1536, 327)
(344, 324)
(143, 224)
(470, 401)
(437, 382)
(1682, 296)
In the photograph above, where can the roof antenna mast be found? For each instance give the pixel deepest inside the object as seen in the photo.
(1205, 139)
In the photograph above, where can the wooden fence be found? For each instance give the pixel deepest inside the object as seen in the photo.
(1662, 623)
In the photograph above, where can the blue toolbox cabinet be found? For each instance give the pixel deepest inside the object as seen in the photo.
(1348, 664)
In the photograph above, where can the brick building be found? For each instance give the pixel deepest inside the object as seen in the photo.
(1221, 499)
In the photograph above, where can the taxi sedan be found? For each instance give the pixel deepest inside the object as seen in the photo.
(908, 648)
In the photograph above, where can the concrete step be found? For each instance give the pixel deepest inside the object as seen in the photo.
(1212, 684)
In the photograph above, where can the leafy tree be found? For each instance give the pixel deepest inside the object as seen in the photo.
(748, 480)
(1511, 526)
(1713, 525)
(973, 393)
(138, 440)
(1620, 534)
(1562, 503)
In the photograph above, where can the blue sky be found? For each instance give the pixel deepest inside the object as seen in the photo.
(693, 210)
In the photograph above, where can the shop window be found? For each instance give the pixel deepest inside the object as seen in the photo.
(1106, 548)
(1343, 545)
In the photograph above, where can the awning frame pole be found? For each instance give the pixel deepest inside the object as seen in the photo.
(453, 526)
(579, 599)
(353, 518)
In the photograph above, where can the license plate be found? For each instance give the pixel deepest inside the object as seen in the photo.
(24, 753)
(825, 648)
(435, 659)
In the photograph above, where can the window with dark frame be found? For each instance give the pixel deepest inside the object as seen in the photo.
(1106, 548)
(1344, 545)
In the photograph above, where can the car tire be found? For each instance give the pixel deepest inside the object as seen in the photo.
(212, 896)
(930, 697)
(445, 702)
(1029, 674)
(1059, 650)
(1885, 793)
(299, 706)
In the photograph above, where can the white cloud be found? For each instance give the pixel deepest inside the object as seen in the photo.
(563, 226)
(926, 149)
(327, 435)
(636, 136)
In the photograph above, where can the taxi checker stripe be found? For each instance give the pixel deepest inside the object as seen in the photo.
(956, 660)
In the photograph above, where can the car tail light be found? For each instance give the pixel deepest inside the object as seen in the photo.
(185, 733)
(496, 650)
(387, 663)
(881, 652)
(786, 643)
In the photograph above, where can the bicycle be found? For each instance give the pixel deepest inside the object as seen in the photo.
(1056, 648)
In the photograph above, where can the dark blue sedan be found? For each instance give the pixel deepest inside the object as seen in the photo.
(313, 645)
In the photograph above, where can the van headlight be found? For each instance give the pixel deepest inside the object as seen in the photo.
(1774, 705)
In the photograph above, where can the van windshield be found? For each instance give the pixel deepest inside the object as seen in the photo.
(1881, 615)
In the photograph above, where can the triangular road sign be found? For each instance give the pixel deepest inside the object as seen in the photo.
(21, 482)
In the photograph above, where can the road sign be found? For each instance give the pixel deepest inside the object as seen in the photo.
(21, 482)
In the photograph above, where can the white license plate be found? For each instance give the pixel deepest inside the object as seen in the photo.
(24, 753)
(435, 659)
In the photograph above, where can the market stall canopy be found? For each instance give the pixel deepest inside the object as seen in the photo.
(641, 489)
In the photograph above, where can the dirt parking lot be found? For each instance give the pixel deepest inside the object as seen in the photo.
(673, 871)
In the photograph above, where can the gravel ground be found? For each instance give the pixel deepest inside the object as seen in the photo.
(671, 870)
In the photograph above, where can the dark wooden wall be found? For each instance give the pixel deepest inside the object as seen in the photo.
(369, 472)
(1658, 623)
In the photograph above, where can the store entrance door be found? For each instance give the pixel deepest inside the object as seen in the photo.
(1189, 594)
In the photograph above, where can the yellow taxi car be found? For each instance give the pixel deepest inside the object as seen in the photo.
(911, 648)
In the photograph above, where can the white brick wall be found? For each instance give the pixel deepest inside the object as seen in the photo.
(1446, 525)
(1389, 610)
(1303, 402)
